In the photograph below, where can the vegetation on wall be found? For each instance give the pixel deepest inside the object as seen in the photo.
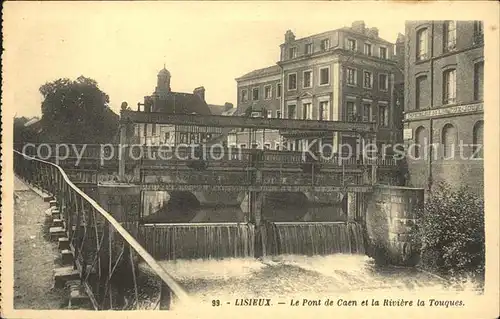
(450, 232)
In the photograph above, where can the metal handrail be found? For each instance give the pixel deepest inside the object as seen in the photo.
(165, 277)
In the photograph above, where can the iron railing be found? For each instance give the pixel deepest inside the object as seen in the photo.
(115, 270)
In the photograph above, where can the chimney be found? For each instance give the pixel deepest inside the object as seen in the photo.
(358, 26)
(200, 91)
(372, 32)
(289, 36)
(228, 106)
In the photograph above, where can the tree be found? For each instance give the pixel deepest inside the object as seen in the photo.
(76, 112)
(22, 133)
(450, 232)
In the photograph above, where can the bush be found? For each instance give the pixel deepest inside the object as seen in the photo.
(450, 232)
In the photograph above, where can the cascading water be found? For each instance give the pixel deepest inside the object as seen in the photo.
(312, 238)
(198, 240)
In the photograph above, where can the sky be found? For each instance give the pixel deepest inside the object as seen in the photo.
(123, 45)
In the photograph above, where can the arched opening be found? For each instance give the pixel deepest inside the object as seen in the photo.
(477, 140)
(449, 140)
(420, 141)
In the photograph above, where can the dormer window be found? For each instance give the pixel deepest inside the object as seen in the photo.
(368, 49)
(309, 48)
(292, 52)
(325, 44)
(351, 44)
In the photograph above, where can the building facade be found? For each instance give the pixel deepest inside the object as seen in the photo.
(348, 74)
(165, 100)
(444, 103)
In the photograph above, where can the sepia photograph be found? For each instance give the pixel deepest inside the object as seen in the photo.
(211, 159)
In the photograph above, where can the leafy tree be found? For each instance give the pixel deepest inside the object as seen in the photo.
(77, 112)
(22, 133)
(450, 232)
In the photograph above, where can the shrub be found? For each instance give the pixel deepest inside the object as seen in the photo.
(450, 232)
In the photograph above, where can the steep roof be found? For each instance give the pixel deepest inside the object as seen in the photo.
(182, 103)
(271, 70)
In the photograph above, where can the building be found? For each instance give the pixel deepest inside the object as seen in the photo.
(165, 100)
(444, 103)
(347, 74)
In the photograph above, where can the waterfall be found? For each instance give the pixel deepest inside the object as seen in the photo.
(197, 240)
(313, 238)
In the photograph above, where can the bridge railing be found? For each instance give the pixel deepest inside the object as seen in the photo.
(154, 154)
(116, 271)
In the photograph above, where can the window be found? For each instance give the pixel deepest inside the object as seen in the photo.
(307, 79)
(422, 44)
(324, 76)
(477, 140)
(351, 112)
(351, 44)
(449, 36)
(292, 81)
(323, 110)
(267, 146)
(367, 79)
(267, 92)
(478, 81)
(351, 76)
(269, 114)
(449, 86)
(307, 111)
(367, 112)
(382, 53)
(255, 94)
(244, 95)
(449, 140)
(167, 137)
(183, 137)
(383, 115)
(368, 49)
(383, 82)
(478, 32)
(278, 114)
(278, 90)
(325, 44)
(309, 48)
(292, 52)
(292, 111)
(420, 141)
(421, 83)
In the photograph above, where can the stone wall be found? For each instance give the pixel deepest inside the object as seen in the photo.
(389, 217)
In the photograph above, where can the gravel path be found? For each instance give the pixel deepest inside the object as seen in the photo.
(34, 255)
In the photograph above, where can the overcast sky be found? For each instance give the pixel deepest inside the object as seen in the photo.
(124, 45)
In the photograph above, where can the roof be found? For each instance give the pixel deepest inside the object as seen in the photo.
(270, 70)
(182, 103)
(216, 109)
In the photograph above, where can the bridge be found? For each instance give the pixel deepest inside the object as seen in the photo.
(104, 247)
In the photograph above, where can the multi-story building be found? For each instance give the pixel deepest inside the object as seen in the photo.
(165, 100)
(444, 103)
(347, 74)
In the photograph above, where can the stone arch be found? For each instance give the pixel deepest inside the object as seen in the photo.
(449, 137)
(477, 139)
(420, 141)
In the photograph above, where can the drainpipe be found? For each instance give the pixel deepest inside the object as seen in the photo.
(431, 138)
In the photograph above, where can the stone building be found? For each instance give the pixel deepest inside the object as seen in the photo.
(347, 74)
(444, 103)
(165, 100)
